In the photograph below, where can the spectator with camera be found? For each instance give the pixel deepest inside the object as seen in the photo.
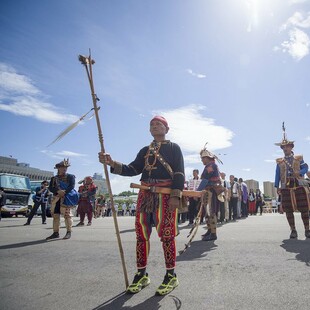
(40, 200)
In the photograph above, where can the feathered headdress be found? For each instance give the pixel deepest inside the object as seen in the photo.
(64, 163)
(206, 153)
(284, 141)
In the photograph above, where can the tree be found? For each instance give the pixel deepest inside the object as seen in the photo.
(125, 194)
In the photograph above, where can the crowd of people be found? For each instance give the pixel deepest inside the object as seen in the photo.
(236, 201)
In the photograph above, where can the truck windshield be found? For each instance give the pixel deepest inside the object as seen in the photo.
(14, 182)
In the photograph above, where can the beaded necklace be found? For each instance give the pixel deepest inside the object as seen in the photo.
(152, 151)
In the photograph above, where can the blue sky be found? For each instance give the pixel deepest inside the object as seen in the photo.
(226, 72)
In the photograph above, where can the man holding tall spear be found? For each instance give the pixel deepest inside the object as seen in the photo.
(161, 165)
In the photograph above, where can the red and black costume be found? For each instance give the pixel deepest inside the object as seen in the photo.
(161, 165)
(87, 193)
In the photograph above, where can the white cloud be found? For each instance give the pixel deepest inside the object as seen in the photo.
(121, 184)
(70, 154)
(191, 130)
(38, 109)
(269, 161)
(297, 20)
(197, 75)
(298, 44)
(19, 96)
(308, 139)
(12, 82)
(62, 154)
(192, 158)
(291, 2)
(246, 169)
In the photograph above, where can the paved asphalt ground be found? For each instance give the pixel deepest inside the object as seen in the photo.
(252, 265)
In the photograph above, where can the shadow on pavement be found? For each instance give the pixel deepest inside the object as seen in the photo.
(300, 247)
(37, 225)
(11, 226)
(197, 249)
(127, 230)
(119, 300)
(22, 244)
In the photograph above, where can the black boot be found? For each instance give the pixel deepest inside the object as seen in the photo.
(207, 233)
(307, 233)
(54, 235)
(68, 235)
(210, 237)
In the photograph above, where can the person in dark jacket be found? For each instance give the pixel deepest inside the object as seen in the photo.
(40, 200)
(2, 199)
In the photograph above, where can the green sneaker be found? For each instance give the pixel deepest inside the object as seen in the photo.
(139, 282)
(169, 284)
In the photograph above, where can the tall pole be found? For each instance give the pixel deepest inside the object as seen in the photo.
(88, 62)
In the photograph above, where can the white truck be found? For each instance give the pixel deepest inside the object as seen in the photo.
(17, 193)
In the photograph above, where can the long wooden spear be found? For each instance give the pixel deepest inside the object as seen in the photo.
(88, 62)
(194, 229)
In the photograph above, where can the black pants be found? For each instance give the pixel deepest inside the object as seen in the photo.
(244, 208)
(192, 210)
(221, 217)
(37, 204)
(182, 217)
(260, 206)
(233, 208)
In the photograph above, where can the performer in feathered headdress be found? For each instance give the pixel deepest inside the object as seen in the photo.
(211, 182)
(292, 187)
(65, 198)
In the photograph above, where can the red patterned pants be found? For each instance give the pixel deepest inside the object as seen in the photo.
(166, 226)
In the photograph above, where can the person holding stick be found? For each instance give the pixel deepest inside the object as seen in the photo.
(211, 182)
(291, 185)
(161, 164)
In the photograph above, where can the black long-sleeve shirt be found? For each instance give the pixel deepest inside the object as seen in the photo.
(170, 152)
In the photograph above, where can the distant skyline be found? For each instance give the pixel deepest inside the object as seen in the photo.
(226, 72)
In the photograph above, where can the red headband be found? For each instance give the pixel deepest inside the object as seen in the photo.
(160, 119)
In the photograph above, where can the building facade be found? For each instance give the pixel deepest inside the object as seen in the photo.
(252, 184)
(10, 165)
(101, 183)
(269, 189)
